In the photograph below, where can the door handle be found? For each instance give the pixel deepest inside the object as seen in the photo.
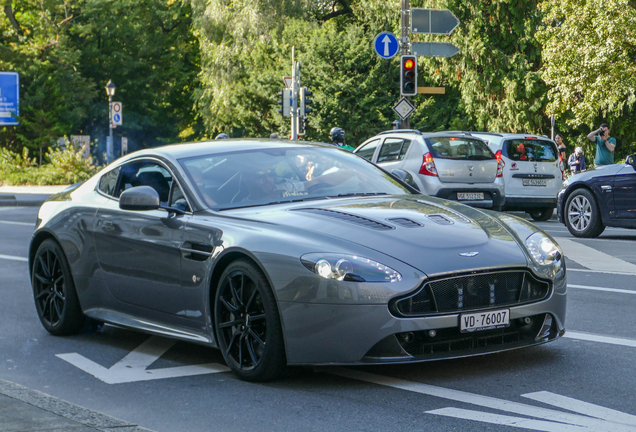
(107, 225)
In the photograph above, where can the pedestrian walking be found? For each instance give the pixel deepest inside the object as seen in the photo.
(558, 139)
(605, 145)
(577, 161)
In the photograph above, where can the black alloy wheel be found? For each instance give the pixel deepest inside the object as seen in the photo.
(542, 214)
(54, 292)
(247, 323)
(582, 215)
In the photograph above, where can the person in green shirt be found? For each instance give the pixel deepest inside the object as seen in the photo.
(338, 138)
(605, 145)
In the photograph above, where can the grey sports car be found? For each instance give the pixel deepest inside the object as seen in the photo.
(287, 253)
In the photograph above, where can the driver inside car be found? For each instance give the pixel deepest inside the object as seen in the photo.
(263, 183)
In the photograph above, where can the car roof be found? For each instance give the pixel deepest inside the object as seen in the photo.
(425, 134)
(193, 149)
(521, 135)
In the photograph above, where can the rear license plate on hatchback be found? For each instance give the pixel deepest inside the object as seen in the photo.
(484, 320)
(534, 182)
(470, 195)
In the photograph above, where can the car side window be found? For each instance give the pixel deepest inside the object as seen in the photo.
(146, 173)
(368, 149)
(108, 182)
(177, 198)
(390, 151)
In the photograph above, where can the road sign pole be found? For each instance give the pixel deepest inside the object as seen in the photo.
(406, 50)
(110, 156)
(294, 95)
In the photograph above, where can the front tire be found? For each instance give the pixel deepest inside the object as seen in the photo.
(542, 215)
(247, 324)
(582, 215)
(54, 291)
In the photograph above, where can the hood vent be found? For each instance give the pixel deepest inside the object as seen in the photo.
(440, 219)
(406, 223)
(346, 217)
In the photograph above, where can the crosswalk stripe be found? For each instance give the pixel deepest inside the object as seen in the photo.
(592, 258)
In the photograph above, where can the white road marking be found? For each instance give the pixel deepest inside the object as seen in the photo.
(32, 225)
(601, 271)
(560, 419)
(13, 258)
(134, 366)
(498, 419)
(581, 407)
(602, 339)
(593, 259)
(616, 290)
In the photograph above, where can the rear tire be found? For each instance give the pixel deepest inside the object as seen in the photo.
(582, 215)
(247, 324)
(542, 214)
(54, 291)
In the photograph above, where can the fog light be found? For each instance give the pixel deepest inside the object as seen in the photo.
(432, 333)
(407, 337)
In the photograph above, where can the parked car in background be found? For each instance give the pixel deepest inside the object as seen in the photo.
(598, 198)
(533, 171)
(451, 165)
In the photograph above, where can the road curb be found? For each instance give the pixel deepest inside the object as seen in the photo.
(59, 407)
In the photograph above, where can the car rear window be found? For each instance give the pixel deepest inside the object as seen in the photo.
(459, 148)
(531, 150)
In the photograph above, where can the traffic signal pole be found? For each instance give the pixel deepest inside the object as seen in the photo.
(406, 47)
(294, 95)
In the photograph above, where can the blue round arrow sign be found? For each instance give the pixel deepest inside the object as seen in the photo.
(386, 45)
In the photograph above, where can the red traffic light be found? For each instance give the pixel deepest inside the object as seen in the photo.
(409, 64)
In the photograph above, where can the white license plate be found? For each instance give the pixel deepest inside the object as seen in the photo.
(470, 196)
(534, 182)
(484, 320)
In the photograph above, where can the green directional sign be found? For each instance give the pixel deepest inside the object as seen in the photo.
(433, 21)
(434, 49)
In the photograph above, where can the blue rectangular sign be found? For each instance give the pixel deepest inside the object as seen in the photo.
(9, 98)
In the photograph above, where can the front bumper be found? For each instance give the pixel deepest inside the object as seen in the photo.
(323, 334)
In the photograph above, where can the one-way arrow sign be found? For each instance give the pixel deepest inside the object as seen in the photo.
(433, 21)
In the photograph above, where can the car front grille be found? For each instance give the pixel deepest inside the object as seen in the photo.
(540, 328)
(471, 292)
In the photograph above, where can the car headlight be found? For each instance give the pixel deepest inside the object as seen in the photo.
(349, 268)
(543, 250)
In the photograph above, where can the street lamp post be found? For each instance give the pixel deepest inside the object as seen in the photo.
(110, 91)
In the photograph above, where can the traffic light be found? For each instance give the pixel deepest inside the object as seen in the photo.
(302, 125)
(408, 75)
(304, 101)
(285, 97)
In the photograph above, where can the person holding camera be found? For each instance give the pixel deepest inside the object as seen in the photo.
(605, 145)
(577, 161)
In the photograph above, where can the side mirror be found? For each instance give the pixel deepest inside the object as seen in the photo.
(631, 160)
(139, 198)
(406, 177)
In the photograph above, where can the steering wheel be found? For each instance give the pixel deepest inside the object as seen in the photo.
(318, 186)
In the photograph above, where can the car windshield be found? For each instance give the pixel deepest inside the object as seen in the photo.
(459, 148)
(269, 176)
(531, 150)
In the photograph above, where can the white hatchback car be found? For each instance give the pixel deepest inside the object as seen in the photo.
(533, 172)
(450, 165)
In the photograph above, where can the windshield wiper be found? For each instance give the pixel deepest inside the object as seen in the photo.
(276, 202)
(361, 194)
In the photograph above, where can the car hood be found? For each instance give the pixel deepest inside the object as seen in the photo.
(433, 235)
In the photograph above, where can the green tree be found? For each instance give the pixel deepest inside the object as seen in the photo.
(54, 96)
(494, 82)
(589, 47)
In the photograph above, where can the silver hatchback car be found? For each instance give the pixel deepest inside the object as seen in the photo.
(450, 165)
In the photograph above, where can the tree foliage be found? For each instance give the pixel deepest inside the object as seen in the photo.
(589, 52)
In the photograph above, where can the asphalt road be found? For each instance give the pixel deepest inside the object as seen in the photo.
(582, 382)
